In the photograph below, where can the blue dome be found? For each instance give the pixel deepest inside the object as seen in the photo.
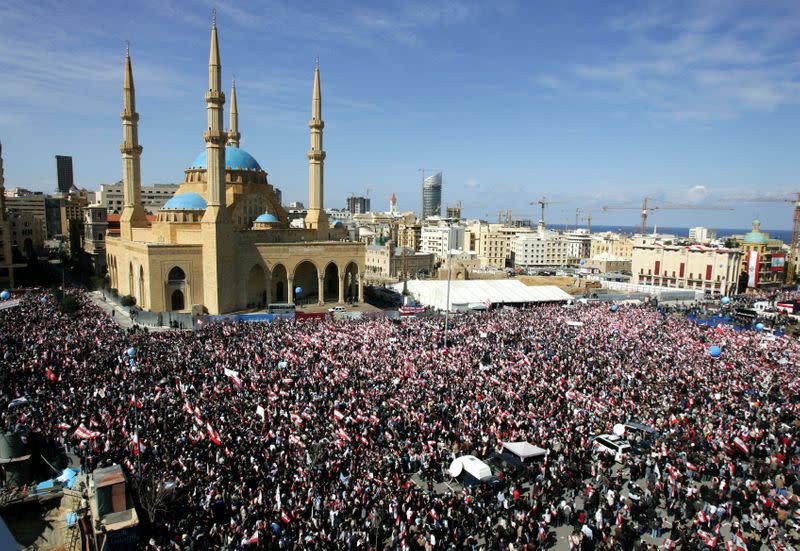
(267, 218)
(338, 224)
(235, 158)
(185, 201)
(755, 238)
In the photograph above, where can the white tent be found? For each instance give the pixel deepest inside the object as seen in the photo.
(524, 450)
(471, 465)
(494, 291)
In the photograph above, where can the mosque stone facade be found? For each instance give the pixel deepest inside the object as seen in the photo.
(223, 243)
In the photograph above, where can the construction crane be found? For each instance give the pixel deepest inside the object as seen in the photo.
(793, 247)
(645, 208)
(542, 202)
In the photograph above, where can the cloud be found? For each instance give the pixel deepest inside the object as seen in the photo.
(705, 63)
(698, 193)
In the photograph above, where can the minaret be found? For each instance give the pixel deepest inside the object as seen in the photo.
(316, 217)
(233, 133)
(219, 261)
(133, 215)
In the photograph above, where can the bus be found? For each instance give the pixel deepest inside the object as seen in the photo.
(281, 308)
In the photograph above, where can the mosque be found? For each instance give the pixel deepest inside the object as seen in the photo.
(223, 243)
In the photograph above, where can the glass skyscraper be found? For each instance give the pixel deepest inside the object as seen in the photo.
(432, 196)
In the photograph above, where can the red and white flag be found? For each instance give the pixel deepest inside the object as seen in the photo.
(285, 517)
(338, 415)
(85, 434)
(136, 445)
(343, 435)
(672, 419)
(253, 539)
(62, 426)
(740, 445)
(296, 441)
(213, 435)
(234, 376)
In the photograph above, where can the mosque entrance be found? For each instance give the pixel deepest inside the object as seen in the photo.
(177, 300)
(331, 282)
(279, 284)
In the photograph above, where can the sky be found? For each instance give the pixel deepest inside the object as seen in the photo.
(585, 103)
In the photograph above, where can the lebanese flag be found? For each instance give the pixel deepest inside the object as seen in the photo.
(362, 440)
(701, 517)
(672, 419)
(619, 520)
(135, 402)
(136, 444)
(213, 435)
(234, 376)
(296, 441)
(296, 419)
(434, 515)
(692, 466)
(740, 445)
(50, 375)
(85, 434)
(338, 415)
(285, 517)
(62, 426)
(253, 539)
(187, 407)
(343, 435)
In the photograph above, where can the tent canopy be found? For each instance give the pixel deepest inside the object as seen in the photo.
(493, 291)
(524, 450)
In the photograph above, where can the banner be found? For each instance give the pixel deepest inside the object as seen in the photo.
(752, 269)
(778, 262)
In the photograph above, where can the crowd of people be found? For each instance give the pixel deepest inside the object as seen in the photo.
(338, 435)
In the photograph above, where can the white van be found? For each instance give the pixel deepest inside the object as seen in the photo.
(613, 445)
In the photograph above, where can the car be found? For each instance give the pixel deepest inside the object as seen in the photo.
(337, 309)
(613, 445)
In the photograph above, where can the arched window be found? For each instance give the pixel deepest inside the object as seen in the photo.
(176, 274)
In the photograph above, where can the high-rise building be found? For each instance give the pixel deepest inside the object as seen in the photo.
(702, 235)
(64, 173)
(153, 197)
(358, 205)
(432, 196)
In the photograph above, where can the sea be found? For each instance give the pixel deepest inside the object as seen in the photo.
(783, 235)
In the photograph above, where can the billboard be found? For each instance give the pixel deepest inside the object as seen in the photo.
(778, 262)
(752, 269)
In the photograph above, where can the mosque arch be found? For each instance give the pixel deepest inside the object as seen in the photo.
(176, 282)
(130, 278)
(176, 274)
(305, 277)
(330, 281)
(279, 285)
(351, 280)
(140, 297)
(256, 287)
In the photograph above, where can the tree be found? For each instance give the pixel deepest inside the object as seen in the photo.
(128, 300)
(69, 305)
(154, 494)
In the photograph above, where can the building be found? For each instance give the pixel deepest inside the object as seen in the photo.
(390, 263)
(432, 196)
(763, 260)
(409, 234)
(539, 248)
(278, 195)
(605, 263)
(358, 205)
(95, 226)
(611, 243)
(441, 240)
(492, 242)
(223, 243)
(700, 234)
(153, 197)
(453, 213)
(579, 245)
(694, 267)
(27, 233)
(64, 174)
(21, 200)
